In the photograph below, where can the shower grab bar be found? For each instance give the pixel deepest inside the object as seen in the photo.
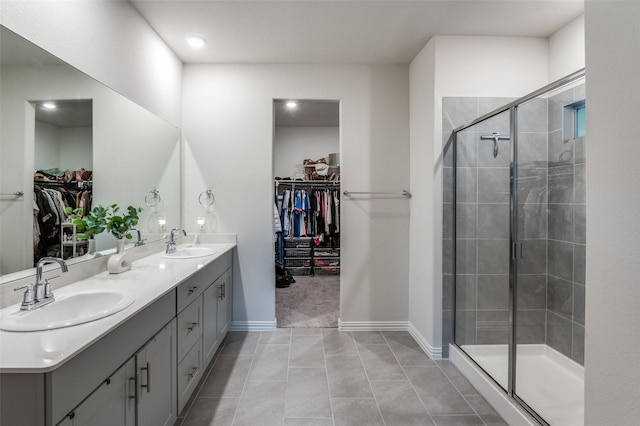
(13, 194)
(403, 193)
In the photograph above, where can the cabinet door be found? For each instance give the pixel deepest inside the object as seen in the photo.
(112, 404)
(156, 372)
(224, 287)
(210, 322)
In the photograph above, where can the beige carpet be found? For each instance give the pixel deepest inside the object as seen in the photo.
(309, 302)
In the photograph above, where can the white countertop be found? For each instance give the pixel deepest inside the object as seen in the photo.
(149, 279)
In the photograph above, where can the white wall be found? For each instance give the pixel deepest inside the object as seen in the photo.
(453, 66)
(47, 146)
(228, 128)
(612, 348)
(566, 49)
(109, 41)
(76, 148)
(291, 145)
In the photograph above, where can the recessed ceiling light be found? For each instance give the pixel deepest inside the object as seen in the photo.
(196, 42)
(49, 105)
(291, 104)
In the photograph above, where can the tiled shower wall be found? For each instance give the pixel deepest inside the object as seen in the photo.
(551, 227)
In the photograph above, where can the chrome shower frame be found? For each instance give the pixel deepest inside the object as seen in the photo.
(515, 247)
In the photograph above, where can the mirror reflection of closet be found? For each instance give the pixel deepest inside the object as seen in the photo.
(63, 171)
(306, 167)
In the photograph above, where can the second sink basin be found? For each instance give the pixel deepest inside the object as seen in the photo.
(187, 252)
(67, 310)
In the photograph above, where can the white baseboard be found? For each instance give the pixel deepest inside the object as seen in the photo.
(434, 352)
(253, 325)
(372, 325)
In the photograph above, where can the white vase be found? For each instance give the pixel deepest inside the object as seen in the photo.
(120, 261)
(91, 250)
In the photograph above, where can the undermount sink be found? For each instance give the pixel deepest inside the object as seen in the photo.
(67, 310)
(189, 253)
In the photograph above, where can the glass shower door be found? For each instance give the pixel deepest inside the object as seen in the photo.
(482, 217)
(549, 317)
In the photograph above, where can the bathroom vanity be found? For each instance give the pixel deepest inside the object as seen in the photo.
(136, 367)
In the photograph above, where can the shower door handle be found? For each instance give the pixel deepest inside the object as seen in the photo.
(516, 251)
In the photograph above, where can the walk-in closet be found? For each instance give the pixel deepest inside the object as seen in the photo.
(306, 166)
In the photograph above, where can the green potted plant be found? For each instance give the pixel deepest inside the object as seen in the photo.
(89, 225)
(119, 224)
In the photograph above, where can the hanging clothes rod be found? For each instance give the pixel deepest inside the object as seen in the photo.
(13, 194)
(403, 193)
(308, 182)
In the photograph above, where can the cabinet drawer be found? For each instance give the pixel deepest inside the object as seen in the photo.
(189, 374)
(189, 327)
(189, 290)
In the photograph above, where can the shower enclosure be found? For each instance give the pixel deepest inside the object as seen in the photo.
(514, 244)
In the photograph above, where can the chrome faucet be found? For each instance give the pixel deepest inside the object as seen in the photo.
(140, 241)
(171, 245)
(40, 293)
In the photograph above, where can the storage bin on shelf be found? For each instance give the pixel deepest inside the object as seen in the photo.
(297, 271)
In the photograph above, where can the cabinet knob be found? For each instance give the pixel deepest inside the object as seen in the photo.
(192, 326)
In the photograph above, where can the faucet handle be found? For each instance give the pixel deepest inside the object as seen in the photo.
(29, 298)
(48, 289)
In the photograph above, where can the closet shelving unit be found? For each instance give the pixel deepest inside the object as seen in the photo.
(301, 256)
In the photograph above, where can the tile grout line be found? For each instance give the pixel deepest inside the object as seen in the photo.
(368, 379)
(409, 380)
(326, 369)
(460, 393)
(244, 385)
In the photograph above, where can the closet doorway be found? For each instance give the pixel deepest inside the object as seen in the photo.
(306, 167)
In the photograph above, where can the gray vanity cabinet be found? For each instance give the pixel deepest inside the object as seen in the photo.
(224, 303)
(141, 373)
(155, 378)
(145, 382)
(112, 404)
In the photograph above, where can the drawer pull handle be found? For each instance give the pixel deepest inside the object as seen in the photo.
(222, 291)
(148, 385)
(193, 289)
(192, 326)
(194, 372)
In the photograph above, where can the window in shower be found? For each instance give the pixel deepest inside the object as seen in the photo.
(581, 121)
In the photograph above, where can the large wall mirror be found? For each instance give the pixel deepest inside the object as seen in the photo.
(61, 130)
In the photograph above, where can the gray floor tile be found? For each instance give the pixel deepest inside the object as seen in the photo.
(338, 343)
(436, 391)
(308, 422)
(471, 420)
(407, 351)
(241, 343)
(347, 378)
(356, 412)
(399, 404)
(380, 363)
(368, 337)
(271, 362)
(308, 331)
(459, 381)
(338, 390)
(306, 351)
(281, 336)
(212, 411)
(262, 403)
(307, 393)
(227, 378)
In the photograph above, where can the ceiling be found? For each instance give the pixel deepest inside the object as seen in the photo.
(341, 31)
(68, 113)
